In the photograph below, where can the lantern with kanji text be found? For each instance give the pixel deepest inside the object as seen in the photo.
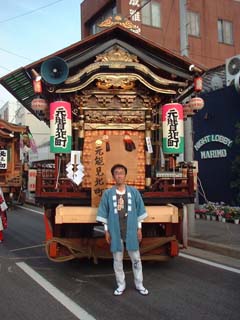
(60, 127)
(172, 124)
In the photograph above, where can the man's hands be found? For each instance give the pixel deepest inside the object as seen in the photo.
(107, 237)
(139, 234)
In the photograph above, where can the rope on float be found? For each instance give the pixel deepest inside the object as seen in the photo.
(73, 251)
(91, 252)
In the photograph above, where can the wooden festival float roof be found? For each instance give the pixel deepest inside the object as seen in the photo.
(158, 68)
(8, 129)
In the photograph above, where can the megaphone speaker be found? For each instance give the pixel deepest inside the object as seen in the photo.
(54, 70)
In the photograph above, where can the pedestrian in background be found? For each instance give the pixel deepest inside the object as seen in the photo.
(3, 214)
(122, 210)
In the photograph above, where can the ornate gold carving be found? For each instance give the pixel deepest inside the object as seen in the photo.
(132, 75)
(114, 116)
(118, 60)
(116, 54)
(115, 82)
(118, 64)
(126, 100)
(118, 19)
(114, 126)
(104, 100)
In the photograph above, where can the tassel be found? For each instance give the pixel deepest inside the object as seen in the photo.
(106, 139)
(129, 144)
(133, 146)
(107, 146)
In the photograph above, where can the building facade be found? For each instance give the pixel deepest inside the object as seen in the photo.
(14, 112)
(213, 27)
(8, 112)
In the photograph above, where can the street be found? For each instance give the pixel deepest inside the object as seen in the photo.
(32, 287)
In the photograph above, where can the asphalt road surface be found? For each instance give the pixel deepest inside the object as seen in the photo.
(32, 287)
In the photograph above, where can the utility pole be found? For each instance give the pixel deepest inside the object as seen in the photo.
(188, 128)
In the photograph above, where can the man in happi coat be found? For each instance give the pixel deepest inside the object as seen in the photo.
(122, 210)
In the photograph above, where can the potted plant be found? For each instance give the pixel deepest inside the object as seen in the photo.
(210, 209)
(208, 215)
(200, 213)
(214, 216)
(219, 214)
(236, 216)
(228, 214)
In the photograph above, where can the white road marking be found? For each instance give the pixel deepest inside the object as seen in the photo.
(210, 263)
(29, 209)
(74, 308)
(26, 248)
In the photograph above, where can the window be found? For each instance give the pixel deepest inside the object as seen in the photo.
(193, 24)
(151, 13)
(225, 31)
(93, 26)
(6, 114)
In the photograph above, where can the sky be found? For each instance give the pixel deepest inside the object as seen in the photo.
(31, 30)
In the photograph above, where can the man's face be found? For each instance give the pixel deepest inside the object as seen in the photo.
(119, 175)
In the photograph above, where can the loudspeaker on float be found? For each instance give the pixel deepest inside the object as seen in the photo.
(54, 70)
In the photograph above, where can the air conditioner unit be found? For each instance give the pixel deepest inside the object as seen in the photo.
(232, 69)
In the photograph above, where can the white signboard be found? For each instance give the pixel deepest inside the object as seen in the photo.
(135, 14)
(3, 159)
(32, 173)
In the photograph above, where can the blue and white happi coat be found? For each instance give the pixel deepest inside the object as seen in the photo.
(108, 213)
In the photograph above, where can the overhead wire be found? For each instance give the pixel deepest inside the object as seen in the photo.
(19, 16)
(2, 67)
(30, 12)
(15, 54)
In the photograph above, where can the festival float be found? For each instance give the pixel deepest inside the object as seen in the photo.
(13, 170)
(114, 97)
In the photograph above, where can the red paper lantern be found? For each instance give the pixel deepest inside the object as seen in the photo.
(196, 103)
(172, 128)
(198, 84)
(40, 106)
(37, 86)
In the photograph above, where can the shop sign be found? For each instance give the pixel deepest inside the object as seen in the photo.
(135, 14)
(32, 174)
(3, 159)
(214, 153)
